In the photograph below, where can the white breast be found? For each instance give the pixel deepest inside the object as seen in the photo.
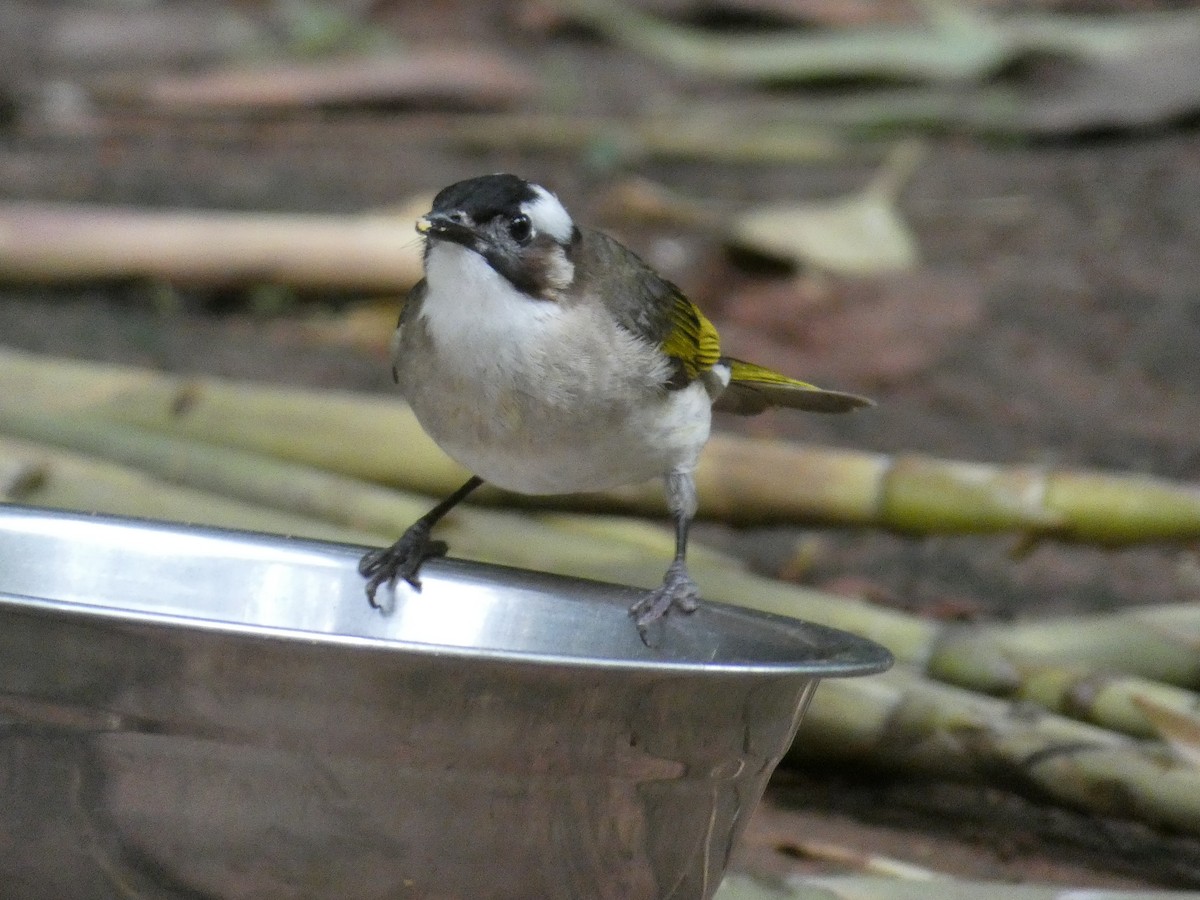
(539, 396)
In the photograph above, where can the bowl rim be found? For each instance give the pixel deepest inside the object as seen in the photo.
(868, 657)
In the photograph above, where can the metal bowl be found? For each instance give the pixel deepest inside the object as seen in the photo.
(191, 712)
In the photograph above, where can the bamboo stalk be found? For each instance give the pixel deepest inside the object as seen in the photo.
(739, 480)
(243, 475)
(68, 242)
(902, 720)
(70, 481)
(573, 547)
(1161, 644)
(364, 436)
(922, 495)
(1113, 701)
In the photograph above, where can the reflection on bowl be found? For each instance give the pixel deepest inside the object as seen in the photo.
(190, 712)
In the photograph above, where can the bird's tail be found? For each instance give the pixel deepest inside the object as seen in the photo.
(750, 389)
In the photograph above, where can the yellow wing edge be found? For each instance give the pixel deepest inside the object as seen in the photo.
(693, 340)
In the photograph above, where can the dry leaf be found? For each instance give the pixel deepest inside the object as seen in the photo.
(859, 235)
(1137, 84)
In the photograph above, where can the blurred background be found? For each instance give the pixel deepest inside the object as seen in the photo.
(984, 215)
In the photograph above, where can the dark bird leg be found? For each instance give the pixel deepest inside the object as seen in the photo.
(403, 559)
(677, 590)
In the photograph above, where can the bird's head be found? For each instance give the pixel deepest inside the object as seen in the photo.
(520, 229)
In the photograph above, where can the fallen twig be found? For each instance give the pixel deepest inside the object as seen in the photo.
(68, 242)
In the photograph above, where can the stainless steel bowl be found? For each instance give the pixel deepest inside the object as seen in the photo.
(190, 712)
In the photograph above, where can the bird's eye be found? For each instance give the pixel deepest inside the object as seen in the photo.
(520, 228)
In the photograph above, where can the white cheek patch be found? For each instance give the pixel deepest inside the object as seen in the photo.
(548, 216)
(560, 271)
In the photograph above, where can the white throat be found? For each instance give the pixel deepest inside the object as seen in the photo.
(471, 309)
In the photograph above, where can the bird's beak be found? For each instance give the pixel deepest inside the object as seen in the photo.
(446, 226)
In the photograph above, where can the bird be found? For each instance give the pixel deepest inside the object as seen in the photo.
(547, 358)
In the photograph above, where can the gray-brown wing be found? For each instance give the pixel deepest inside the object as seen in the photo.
(408, 311)
(646, 304)
(413, 302)
(638, 297)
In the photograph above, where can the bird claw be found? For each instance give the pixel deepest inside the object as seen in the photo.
(402, 560)
(677, 591)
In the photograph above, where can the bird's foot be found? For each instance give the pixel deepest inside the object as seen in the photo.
(402, 560)
(677, 591)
